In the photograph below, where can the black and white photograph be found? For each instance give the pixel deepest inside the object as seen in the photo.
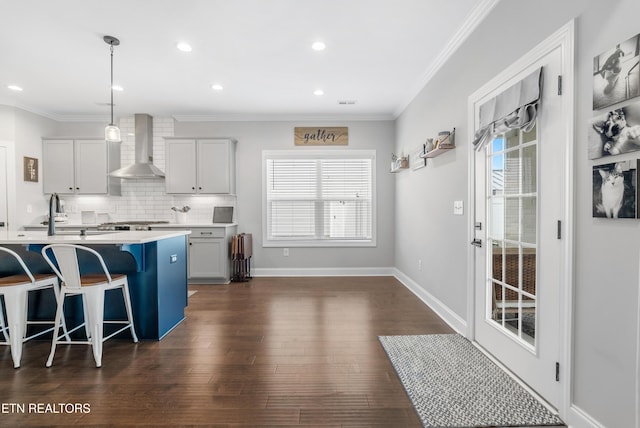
(615, 189)
(616, 74)
(615, 132)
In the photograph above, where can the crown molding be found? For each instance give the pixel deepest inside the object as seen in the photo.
(475, 17)
(85, 118)
(57, 117)
(281, 117)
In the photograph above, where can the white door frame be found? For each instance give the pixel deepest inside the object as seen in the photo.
(564, 39)
(11, 183)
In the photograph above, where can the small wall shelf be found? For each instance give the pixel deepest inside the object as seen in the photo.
(443, 143)
(399, 164)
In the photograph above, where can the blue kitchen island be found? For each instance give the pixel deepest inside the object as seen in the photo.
(155, 263)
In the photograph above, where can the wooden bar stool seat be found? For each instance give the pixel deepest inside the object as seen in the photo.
(15, 290)
(92, 287)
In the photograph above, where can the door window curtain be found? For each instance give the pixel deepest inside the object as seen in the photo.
(515, 108)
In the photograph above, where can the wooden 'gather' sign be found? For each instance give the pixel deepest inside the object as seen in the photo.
(335, 136)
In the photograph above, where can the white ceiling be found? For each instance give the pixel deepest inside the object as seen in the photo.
(379, 53)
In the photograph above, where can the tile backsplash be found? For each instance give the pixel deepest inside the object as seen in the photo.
(145, 199)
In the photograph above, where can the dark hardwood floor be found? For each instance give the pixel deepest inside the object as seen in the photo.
(269, 352)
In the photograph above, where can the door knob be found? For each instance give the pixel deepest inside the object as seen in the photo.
(477, 243)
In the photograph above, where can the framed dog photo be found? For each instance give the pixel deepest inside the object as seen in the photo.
(615, 132)
(615, 189)
(616, 74)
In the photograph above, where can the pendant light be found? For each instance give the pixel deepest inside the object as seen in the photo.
(112, 132)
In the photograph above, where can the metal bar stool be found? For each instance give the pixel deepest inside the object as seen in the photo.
(15, 289)
(92, 287)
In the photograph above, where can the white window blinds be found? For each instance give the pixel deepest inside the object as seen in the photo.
(322, 198)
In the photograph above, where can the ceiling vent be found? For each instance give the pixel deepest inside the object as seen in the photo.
(346, 102)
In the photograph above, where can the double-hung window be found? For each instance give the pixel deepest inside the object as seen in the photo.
(318, 198)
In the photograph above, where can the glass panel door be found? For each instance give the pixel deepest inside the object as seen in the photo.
(512, 162)
(520, 194)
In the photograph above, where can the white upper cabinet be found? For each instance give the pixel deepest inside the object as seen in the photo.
(203, 165)
(79, 166)
(58, 170)
(180, 166)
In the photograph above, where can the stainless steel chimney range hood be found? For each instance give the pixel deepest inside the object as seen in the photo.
(143, 166)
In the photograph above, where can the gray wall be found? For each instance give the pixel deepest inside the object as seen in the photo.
(253, 137)
(25, 130)
(606, 252)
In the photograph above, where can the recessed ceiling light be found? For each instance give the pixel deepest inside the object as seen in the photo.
(318, 92)
(217, 87)
(117, 88)
(318, 46)
(15, 88)
(184, 47)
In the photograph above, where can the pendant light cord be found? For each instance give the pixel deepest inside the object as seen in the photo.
(111, 45)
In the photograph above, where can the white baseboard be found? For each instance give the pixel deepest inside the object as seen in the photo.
(578, 418)
(384, 271)
(450, 317)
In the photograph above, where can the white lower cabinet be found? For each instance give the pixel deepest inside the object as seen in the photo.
(207, 258)
(209, 253)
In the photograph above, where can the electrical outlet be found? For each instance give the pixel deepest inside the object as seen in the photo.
(458, 207)
(420, 265)
(29, 208)
(285, 252)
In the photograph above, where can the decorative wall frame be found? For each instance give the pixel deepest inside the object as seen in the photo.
(30, 169)
(616, 74)
(321, 136)
(615, 132)
(615, 189)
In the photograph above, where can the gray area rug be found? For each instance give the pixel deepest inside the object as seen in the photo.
(452, 384)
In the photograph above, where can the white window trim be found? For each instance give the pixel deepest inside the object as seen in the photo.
(315, 154)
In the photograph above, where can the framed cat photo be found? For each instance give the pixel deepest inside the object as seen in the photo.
(615, 132)
(615, 189)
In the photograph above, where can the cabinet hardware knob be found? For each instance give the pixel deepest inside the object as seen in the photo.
(70, 188)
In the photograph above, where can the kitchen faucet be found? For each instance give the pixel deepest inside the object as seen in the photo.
(52, 213)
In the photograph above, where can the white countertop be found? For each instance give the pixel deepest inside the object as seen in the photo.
(122, 237)
(155, 226)
(189, 225)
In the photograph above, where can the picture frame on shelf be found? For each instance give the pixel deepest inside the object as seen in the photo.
(417, 161)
